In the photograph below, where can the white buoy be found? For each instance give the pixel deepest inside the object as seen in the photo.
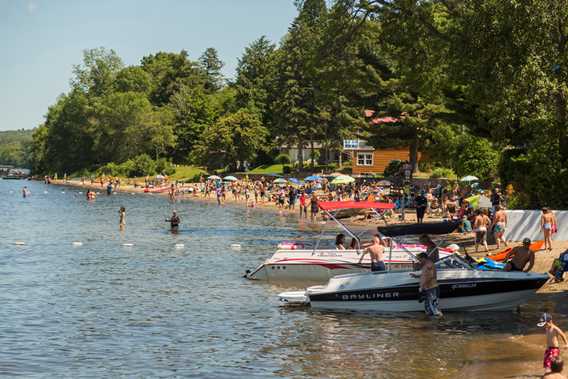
(80, 193)
(45, 192)
(77, 243)
(63, 192)
(236, 246)
(180, 245)
(20, 243)
(127, 244)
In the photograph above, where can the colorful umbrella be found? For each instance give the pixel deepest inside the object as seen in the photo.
(280, 181)
(469, 178)
(312, 178)
(214, 177)
(343, 179)
(230, 179)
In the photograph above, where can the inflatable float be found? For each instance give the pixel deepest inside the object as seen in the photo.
(500, 256)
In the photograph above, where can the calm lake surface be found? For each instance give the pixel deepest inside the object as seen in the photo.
(153, 310)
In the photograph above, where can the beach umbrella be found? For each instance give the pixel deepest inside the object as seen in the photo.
(384, 183)
(214, 177)
(295, 181)
(280, 181)
(469, 178)
(230, 178)
(343, 179)
(334, 174)
(313, 178)
(473, 201)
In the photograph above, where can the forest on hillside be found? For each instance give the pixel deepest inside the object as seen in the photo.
(480, 86)
(15, 147)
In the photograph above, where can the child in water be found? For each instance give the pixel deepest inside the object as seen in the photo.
(553, 332)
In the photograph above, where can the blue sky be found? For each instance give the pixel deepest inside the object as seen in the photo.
(42, 39)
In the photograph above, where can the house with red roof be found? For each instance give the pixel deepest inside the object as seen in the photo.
(368, 160)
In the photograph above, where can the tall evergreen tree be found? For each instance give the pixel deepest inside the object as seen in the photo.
(212, 65)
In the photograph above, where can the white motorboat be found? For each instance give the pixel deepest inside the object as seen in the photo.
(319, 265)
(462, 288)
(298, 262)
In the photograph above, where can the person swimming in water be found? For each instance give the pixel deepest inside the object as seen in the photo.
(174, 221)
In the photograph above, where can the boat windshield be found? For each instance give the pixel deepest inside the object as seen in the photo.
(453, 261)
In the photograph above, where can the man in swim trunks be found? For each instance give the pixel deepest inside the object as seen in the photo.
(314, 206)
(480, 225)
(499, 225)
(518, 258)
(553, 333)
(429, 289)
(376, 251)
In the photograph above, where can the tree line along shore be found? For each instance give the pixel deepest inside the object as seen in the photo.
(477, 87)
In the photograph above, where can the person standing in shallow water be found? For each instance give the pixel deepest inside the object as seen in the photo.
(429, 290)
(122, 218)
(553, 336)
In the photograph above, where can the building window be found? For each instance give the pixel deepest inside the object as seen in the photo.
(364, 159)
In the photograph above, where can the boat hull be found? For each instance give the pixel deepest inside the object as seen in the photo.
(494, 302)
(307, 266)
(397, 292)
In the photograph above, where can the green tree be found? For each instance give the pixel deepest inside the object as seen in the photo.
(98, 71)
(69, 143)
(170, 72)
(235, 137)
(255, 74)
(192, 112)
(133, 79)
(296, 112)
(118, 126)
(476, 157)
(212, 65)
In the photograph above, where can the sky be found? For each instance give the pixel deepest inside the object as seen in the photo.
(41, 40)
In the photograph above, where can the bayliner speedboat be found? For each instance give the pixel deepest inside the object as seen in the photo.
(297, 262)
(462, 288)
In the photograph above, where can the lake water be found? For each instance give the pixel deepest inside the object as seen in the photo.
(156, 310)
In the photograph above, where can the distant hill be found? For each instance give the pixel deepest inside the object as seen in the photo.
(15, 147)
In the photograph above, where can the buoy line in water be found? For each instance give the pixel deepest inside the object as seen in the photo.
(233, 246)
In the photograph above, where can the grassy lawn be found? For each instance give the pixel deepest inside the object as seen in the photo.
(268, 169)
(187, 172)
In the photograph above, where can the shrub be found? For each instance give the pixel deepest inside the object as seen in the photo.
(476, 156)
(164, 166)
(111, 169)
(282, 158)
(142, 165)
(393, 168)
(442, 172)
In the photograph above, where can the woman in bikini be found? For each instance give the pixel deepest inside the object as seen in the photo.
(549, 227)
